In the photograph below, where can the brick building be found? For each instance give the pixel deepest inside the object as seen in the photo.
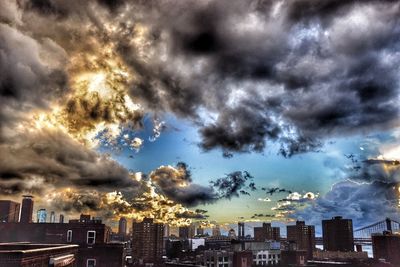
(147, 241)
(386, 246)
(9, 211)
(92, 236)
(303, 236)
(27, 209)
(266, 232)
(38, 255)
(337, 234)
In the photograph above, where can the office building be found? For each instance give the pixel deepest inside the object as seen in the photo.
(200, 230)
(52, 217)
(386, 246)
(147, 241)
(26, 209)
(337, 234)
(61, 220)
(241, 230)
(41, 216)
(9, 211)
(122, 226)
(303, 236)
(266, 232)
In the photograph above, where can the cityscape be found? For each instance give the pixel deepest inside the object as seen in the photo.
(199, 133)
(87, 241)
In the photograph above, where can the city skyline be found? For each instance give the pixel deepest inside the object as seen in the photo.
(201, 111)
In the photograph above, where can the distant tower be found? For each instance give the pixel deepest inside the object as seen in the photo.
(41, 216)
(147, 241)
(61, 218)
(216, 231)
(122, 227)
(200, 230)
(240, 230)
(27, 209)
(52, 217)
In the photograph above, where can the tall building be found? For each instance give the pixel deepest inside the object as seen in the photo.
(147, 241)
(266, 232)
(52, 217)
(27, 209)
(216, 231)
(85, 218)
(61, 220)
(337, 234)
(303, 236)
(186, 232)
(122, 227)
(240, 230)
(41, 216)
(232, 234)
(9, 211)
(386, 246)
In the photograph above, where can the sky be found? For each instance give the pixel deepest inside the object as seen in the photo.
(207, 111)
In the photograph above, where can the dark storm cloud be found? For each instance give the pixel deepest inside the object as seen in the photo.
(261, 215)
(51, 159)
(176, 183)
(233, 184)
(328, 69)
(245, 73)
(275, 190)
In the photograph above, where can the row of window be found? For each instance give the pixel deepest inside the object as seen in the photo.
(90, 237)
(264, 256)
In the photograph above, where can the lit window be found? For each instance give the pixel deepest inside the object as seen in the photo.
(91, 263)
(69, 236)
(91, 237)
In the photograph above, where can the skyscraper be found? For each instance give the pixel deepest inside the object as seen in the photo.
(266, 232)
(337, 234)
(61, 220)
(147, 241)
(200, 230)
(122, 227)
(304, 237)
(9, 211)
(41, 216)
(186, 232)
(52, 217)
(27, 209)
(240, 230)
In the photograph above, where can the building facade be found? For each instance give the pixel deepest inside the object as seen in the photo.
(41, 216)
(337, 234)
(386, 246)
(303, 236)
(266, 232)
(9, 211)
(27, 209)
(147, 241)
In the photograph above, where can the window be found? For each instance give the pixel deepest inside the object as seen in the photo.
(91, 237)
(91, 263)
(226, 259)
(264, 256)
(69, 236)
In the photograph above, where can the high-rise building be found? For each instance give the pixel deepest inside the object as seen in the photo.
(52, 217)
(216, 231)
(232, 234)
(303, 236)
(386, 246)
(166, 230)
(266, 232)
(240, 230)
(61, 220)
(337, 234)
(9, 211)
(186, 232)
(147, 241)
(41, 216)
(27, 209)
(122, 227)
